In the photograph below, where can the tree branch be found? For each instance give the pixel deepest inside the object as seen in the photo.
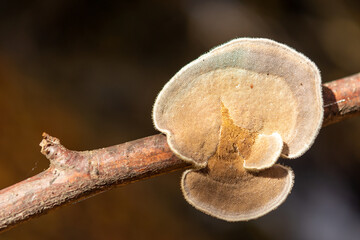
(74, 175)
(341, 99)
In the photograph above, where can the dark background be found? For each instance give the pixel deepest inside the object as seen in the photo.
(88, 72)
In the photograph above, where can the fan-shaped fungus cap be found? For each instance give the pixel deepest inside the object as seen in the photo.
(232, 113)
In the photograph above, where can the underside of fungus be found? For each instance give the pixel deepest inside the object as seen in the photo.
(232, 113)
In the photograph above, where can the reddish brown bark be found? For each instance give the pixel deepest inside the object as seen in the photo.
(341, 99)
(75, 175)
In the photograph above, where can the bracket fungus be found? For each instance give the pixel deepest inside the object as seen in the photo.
(232, 113)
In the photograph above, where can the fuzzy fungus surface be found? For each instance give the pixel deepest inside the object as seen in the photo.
(232, 113)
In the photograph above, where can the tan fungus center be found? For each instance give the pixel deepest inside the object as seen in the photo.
(226, 165)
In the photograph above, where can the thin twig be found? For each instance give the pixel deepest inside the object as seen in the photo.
(74, 175)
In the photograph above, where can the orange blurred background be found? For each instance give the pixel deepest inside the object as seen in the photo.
(88, 73)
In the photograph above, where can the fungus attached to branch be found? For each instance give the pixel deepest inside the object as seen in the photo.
(232, 113)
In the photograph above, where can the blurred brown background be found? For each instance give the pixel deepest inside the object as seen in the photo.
(89, 71)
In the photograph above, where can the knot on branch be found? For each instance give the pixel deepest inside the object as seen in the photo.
(58, 155)
(50, 146)
(64, 159)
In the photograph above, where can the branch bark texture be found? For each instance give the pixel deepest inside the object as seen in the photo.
(74, 175)
(341, 99)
